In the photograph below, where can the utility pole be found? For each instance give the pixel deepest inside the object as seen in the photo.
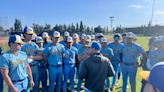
(111, 19)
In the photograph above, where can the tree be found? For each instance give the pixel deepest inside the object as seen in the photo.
(88, 30)
(38, 28)
(77, 27)
(1, 29)
(73, 28)
(17, 25)
(47, 27)
(98, 29)
(81, 30)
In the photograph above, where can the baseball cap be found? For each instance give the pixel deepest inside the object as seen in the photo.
(96, 45)
(39, 39)
(28, 30)
(124, 34)
(34, 36)
(117, 35)
(15, 39)
(92, 36)
(75, 35)
(101, 35)
(66, 33)
(87, 38)
(104, 40)
(21, 35)
(130, 35)
(69, 39)
(56, 34)
(45, 35)
(156, 78)
(83, 36)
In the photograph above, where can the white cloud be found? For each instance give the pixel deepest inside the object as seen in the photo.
(159, 12)
(147, 1)
(136, 6)
(150, 1)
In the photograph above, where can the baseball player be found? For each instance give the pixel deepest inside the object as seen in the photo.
(42, 65)
(144, 62)
(77, 45)
(82, 39)
(131, 52)
(46, 39)
(54, 54)
(117, 48)
(92, 37)
(156, 56)
(69, 64)
(98, 37)
(15, 68)
(75, 41)
(83, 54)
(64, 41)
(107, 52)
(30, 48)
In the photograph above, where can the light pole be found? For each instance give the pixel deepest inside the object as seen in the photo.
(152, 15)
(111, 19)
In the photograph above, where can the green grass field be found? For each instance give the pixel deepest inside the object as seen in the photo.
(143, 41)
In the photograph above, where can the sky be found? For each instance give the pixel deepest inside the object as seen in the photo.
(127, 13)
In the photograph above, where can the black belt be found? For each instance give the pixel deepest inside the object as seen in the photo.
(42, 66)
(55, 65)
(32, 65)
(19, 80)
(130, 64)
(70, 63)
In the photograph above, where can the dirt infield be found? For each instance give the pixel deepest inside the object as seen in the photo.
(4, 43)
(3, 40)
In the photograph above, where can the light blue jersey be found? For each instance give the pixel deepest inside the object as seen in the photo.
(54, 54)
(69, 55)
(63, 42)
(31, 50)
(16, 64)
(41, 62)
(77, 45)
(108, 52)
(131, 53)
(117, 50)
(155, 56)
(82, 50)
(46, 44)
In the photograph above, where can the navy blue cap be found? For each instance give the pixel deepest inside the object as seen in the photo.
(15, 39)
(156, 77)
(28, 30)
(96, 45)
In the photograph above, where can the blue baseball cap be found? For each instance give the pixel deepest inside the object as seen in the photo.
(69, 39)
(156, 78)
(39, 39)
(15, 39)
(96, 45)
(28, 30)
